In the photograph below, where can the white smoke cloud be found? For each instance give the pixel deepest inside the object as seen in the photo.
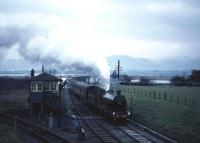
(52, 41)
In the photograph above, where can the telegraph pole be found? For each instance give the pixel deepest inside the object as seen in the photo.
(118, 68)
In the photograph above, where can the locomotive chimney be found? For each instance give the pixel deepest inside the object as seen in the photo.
(32, 73)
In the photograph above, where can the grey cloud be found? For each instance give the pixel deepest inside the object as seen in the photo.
(144, 24)
(15, 6)
(10, 35)
(134, 21)
(30, 6)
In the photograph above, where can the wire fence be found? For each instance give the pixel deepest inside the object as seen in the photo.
(131, 92)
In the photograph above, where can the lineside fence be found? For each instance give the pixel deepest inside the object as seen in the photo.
(188, 84)
(154, 94)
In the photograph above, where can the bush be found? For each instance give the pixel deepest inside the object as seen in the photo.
(178, 80)
(195, 76)
(144, 81)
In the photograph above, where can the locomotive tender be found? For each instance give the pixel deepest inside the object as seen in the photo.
(110, 105)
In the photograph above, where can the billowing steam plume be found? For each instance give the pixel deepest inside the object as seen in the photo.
(51, 43)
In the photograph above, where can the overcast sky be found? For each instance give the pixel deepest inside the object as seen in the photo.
(138, 28)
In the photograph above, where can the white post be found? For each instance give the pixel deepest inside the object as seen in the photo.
(51, 120)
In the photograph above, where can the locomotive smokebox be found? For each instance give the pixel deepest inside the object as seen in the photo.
(118, 92)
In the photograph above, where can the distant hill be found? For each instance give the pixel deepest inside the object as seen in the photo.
(130, 65)
(175, 63)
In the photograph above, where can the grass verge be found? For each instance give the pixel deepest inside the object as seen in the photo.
(177, 121)
(9, 135)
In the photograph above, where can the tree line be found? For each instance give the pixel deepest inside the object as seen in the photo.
(9, 83)
(194, 78)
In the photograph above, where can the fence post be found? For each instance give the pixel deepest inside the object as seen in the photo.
(131, 108)
(159, 95)
(165, 96)
(185, 99)
(149, 94)
(171, 97)
(177, 99)
(193, 102)
(154, 94)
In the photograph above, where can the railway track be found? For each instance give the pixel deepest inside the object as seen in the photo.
(40, 132)
(127, 134)
(102, 133)
(146, 132)
(136, 136)
(132, 132)
(120, 132)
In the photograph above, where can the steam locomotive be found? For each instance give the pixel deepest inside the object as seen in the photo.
(110, 105)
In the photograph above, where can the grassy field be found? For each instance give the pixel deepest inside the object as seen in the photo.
(173, 111)
(9, 135)
(14, 96)
(189, 96)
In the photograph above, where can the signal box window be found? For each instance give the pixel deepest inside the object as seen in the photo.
(33, 87)
(39, 87)
(46, 86)
(53, 85)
